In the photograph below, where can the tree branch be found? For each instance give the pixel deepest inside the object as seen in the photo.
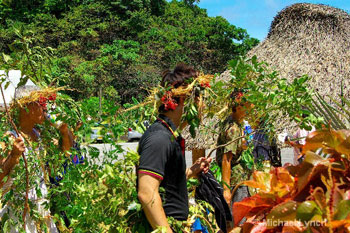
(26, 206)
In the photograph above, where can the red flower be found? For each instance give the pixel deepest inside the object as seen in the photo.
(42, 101)
(52, 97)
(168, 101)
(171, 105)
(205, 84)
(239, 95)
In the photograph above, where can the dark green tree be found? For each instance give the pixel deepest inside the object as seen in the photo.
(122, 45)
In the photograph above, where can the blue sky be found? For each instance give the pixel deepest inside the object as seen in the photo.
(256, 15)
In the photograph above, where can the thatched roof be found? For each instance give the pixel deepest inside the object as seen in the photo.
(306, 39)
(309, 39)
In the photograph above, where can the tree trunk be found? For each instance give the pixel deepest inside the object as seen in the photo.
(100, 103)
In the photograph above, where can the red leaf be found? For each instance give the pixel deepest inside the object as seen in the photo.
(241, 209)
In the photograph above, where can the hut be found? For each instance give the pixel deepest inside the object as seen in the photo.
(303, 39)
(309, 39)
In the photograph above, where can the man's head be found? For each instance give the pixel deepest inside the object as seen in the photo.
(180, 76)
(31, 101)
(240, 106)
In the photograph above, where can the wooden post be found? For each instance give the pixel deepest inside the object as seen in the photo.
(196, 154)
(226, 175)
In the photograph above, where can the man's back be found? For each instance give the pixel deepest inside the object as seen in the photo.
(162, 158)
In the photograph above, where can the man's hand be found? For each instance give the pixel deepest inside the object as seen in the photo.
(18, 147)
(67, 137)
(202, 164)
(10, 162)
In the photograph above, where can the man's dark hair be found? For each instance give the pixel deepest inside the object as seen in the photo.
(178, 76)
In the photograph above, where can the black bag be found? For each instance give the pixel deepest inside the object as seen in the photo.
(210, 190)
(264, 149)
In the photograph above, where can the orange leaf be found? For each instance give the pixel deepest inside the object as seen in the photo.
(340, 223)
(241, 209)
(344, 147)
(323, 139)
(281, 182)
(311, 167)
(254, 184)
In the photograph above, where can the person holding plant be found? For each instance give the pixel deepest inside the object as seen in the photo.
(232, 137)
(162, 156)
(29, 110)
(297, 142)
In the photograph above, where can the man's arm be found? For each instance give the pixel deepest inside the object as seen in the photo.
(148, 194)
(7, 164)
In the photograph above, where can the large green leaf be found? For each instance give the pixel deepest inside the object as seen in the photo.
(285, 211)
(343, 210)
(307, 210)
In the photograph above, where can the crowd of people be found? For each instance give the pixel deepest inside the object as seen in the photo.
(162, 163)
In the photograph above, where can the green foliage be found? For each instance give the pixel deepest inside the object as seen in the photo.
(247, 158)
(31, 59)
(103, 195)
(127, 51)
(271, 95)
(121, 44)
(136, 117)
(191, 117)
(90, 107)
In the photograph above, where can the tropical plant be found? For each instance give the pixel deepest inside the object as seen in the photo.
(272, 96)
(313, 196)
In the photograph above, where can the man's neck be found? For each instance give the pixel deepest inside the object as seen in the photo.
(174, 117)
(237, 119)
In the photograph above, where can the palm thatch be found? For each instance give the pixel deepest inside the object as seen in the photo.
(304, 39)
(310, 39)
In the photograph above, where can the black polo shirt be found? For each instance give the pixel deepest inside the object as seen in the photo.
(161, 157)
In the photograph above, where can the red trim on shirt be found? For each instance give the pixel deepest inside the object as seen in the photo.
(151, 173)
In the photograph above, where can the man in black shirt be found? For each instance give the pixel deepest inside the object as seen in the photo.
(162, 158)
